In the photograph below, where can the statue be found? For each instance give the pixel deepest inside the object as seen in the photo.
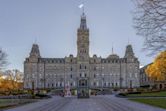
(67, 91)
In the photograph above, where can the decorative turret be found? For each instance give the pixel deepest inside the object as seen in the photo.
(35, 53)
(113, 55)
(129, 52)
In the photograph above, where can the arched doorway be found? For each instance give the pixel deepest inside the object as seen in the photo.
(83, 88)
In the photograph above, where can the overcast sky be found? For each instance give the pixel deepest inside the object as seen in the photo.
(53, 24)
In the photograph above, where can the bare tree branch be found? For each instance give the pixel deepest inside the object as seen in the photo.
(150, 23)
(3, 59)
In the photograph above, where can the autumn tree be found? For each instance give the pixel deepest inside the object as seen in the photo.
(14, 77)
(150, 23)
(12, 81)
(157, 70)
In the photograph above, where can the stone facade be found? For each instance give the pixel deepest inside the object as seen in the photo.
(110, 72)
(145, 80)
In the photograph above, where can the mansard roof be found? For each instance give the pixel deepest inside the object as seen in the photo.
(52, 60)
(113, 56)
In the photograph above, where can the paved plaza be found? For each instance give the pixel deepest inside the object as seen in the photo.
(95, 103)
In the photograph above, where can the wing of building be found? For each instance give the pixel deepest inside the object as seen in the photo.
(82, 70)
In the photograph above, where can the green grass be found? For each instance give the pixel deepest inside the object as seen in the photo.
(154, 94)
(5, 103)
(158, 102)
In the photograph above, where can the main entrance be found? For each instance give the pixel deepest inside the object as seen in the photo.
(83, 88)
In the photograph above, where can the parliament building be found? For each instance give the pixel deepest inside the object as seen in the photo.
(81, 72)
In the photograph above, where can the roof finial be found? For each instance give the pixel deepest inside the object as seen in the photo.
(83, 10)
(35, 42)
(128, 40)
(112, 49)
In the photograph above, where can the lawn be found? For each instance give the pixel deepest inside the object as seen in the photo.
(5, 103)
(154, 94)
(158, 102)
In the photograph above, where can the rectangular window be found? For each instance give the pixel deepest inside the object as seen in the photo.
(94, 83)
(94, 68)
(112, 84)
(116, 84)
(94, 75)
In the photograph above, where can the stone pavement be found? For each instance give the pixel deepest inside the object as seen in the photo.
(95, 103)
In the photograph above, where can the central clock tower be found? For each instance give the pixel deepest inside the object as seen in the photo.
(83, 59)
(83, 40)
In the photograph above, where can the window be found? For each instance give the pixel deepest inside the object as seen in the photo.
(85, 74)
(71, 76)
(116, 84)
(80, 66)
(104, 84)
(94, 83)
(109, 84)
(71, 84)
(94, 75)
(71, 69)
(85, 67)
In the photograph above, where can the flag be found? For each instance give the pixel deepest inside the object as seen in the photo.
(81, 6)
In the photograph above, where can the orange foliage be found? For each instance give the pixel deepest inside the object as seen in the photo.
(10, 81)
(157, 70)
